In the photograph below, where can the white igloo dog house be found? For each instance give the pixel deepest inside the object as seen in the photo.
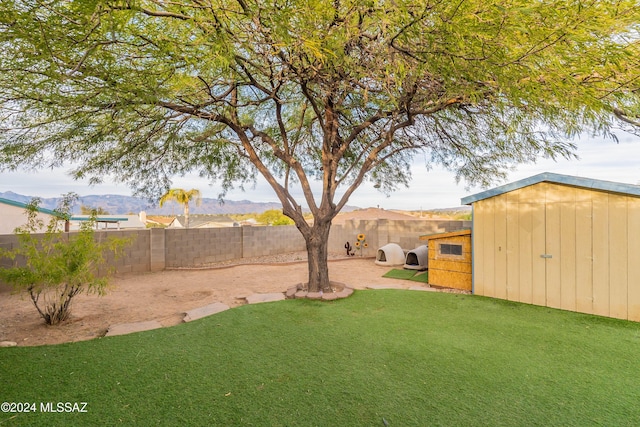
(417, 259)
(390, 254)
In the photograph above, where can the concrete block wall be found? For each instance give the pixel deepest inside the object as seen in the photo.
(378, 233)
(260, 241)
(7, 242)
(157, 249)
(342, 233)
(188, 247)
(157, 252)
(407, 233)
(136, 253)
(135, 256)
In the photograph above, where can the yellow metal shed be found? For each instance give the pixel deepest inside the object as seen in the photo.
(559, 241)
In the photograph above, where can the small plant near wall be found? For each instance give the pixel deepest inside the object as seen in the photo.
(53, 267)
(361, 244)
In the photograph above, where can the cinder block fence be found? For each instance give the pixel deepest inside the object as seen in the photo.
(156, 249)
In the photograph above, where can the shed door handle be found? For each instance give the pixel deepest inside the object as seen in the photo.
(546, 256)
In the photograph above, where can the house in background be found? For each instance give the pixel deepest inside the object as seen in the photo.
(13, 215)
(156, 220)
(559, 241)
(109, 222)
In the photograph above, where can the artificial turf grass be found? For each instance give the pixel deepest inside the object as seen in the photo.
(414, 275)
(422, 277)
(396, 273)
(410, 358)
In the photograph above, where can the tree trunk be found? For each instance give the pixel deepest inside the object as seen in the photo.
(317, 239)
(186, 215)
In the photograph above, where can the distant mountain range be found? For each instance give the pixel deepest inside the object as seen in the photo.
(121, 205)
(450, 211)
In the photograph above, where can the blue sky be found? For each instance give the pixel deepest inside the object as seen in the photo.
(599, 159)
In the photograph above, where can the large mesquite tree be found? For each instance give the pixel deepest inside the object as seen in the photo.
(336, 91)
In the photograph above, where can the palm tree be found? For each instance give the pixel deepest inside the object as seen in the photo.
(182, 197)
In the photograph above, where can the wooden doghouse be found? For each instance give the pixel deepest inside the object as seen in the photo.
(450, 259)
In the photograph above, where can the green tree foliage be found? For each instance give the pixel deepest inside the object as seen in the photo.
(183, 198)
(88, 210)
(274, 217)
(53, 267)
(330, 90)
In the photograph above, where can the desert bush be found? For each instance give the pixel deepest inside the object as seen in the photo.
(53, 266)
(274, 217)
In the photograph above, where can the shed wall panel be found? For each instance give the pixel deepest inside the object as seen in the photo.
(450, 279)
(513, 246)
(489, 250)
(462, 266)
(584, 252)
(525, 254)
(618, 246)
(568, 266)
(633, 263)
(500, 247)
(600, 253)
(488, 245)
(478, 238)
(538, 244)
(553, 252)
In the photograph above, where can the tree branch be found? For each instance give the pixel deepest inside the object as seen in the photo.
(625, 118)
(292, 162)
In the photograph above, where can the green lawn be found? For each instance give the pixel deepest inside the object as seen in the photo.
(401, 358)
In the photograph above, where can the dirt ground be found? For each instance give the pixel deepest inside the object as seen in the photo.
(165, 296)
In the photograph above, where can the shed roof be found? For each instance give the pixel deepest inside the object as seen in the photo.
(575, 181)
(24, 206)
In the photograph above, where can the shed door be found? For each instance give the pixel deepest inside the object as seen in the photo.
(526, 244)
(533, 205)
(558, 234)
(552, 237)
(586, 241)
